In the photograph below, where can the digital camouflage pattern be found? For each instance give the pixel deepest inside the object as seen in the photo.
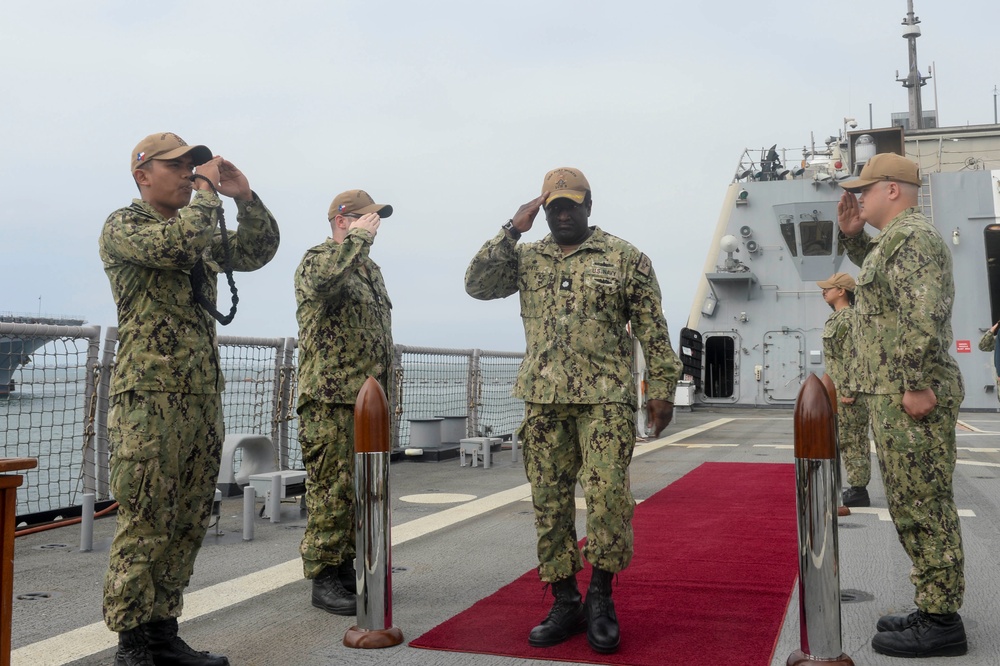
(575, 309)
(576, 380)
(988, 343)
(903, 302)
(345, 336)
(345, 320)
(855, 446)
(164, 485)
(852, 418)
(165, 428)
(917, 459)
(326, 434)
(166, 340)
(590, 444)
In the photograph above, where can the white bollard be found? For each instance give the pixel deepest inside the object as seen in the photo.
(249, 507)
(87, 523)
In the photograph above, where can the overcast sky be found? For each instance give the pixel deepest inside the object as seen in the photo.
(450, 111)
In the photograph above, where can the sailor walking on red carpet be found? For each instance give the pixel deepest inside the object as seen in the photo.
(579, 287)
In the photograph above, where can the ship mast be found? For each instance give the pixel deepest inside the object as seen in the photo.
(913, 81)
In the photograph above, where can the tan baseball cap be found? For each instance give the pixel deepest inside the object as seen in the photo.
(167, 146)
(356, 201)
(838, 281)
(565, 182)
(885, 166)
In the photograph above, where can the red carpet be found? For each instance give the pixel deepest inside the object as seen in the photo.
(714, 566)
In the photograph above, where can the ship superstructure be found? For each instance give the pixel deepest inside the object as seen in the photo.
(754, 332)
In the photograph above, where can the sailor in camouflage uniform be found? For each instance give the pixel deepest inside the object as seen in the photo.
(579, 288)
(852, 415)
(345, 335)
(165, 419)
(913, 387)
(988, 343)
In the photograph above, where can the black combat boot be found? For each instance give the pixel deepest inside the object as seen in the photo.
(602, 623)
(566, 618)
(896, 621)
(330, 594)
(348, 576)
(855, 496)
(167, 648)
(133, 649)
(927, 635)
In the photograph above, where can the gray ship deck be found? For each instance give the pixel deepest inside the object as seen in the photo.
(248, 600)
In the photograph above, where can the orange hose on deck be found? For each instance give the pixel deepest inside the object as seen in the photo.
(63, 523)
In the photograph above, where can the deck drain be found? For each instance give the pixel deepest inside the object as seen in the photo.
(399, 569)
(52, 546)
(855, 596)
(848, 526)
(37, 596)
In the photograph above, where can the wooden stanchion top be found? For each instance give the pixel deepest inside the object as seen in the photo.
(831, 390)
(17, 464)
(371, 419)
(815, 428)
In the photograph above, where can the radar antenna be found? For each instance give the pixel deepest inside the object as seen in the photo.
(913, 81)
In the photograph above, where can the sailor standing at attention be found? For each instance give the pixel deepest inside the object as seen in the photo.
(913, 389)
(579, 288)
(162, 255)
(852, 415)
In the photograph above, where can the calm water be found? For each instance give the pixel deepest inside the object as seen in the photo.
(46, 416)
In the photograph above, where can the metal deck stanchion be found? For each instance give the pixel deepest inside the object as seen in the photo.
(371, 510)
(249, 507)
(816, 503)
(87, 522)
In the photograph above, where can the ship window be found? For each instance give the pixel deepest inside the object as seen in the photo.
(720, 366)
(817, 238)
(788, 233)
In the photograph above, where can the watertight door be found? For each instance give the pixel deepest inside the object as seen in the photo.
(784, 360)
(722, 367)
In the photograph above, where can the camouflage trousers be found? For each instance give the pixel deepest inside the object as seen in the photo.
(326, 434)
(165, 450)
(592, 445)
(917, 460)
(855, 447)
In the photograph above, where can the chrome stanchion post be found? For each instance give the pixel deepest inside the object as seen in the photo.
(816, 492)
(831, 390)
(371, 511)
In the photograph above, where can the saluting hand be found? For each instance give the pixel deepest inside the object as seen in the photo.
(369, 222)
(525, 215)
(849, 215)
